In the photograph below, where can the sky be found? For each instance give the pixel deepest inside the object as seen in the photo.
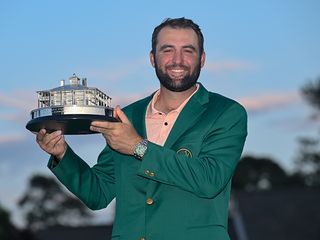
(259, 53)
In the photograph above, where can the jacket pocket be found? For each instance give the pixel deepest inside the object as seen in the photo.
(115, 237)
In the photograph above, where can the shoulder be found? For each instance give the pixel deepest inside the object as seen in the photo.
(218, 104)
(219, 101)
(226, 113)
(216, 101)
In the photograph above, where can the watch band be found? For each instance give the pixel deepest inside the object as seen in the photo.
(140, 149)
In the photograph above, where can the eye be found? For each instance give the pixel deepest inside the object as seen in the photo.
(188, 50)
(167, 50)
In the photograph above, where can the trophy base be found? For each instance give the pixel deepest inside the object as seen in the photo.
(73, 124)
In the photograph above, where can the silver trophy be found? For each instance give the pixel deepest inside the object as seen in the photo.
(70, 108)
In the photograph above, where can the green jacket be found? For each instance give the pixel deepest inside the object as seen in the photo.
(178, 191)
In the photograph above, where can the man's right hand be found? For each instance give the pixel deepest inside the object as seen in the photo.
(52, 143)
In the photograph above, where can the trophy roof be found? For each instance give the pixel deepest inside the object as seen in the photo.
(69, 88)
(74, 85)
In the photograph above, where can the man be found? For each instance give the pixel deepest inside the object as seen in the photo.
(170, 159)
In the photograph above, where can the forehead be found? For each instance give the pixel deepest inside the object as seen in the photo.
(177, 37)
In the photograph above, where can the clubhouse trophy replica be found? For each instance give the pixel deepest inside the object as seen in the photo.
(70, 108)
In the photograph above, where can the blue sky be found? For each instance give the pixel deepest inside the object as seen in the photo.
(259, 53)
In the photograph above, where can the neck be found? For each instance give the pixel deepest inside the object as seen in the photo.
(169, 100)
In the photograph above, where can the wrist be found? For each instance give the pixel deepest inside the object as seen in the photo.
(140, 149)
(58, 157)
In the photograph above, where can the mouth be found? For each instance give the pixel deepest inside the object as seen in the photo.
(177, 73)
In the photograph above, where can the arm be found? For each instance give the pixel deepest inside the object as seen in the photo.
(94, 186)
(207, 174)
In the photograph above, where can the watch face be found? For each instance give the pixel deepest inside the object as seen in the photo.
(140, 149)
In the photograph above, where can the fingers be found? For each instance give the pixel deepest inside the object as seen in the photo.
(40, 135)
(121, 115)
(101, 127)
(44, 137)
(48, 141)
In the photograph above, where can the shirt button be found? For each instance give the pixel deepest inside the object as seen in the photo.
(166, 123)
(149, 201)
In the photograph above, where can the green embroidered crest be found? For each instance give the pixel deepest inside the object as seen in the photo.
(185, 152)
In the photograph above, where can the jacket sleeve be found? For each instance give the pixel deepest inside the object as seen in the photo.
(207, 174)
(94, 186)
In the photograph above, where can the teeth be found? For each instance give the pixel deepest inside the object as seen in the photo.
(177, 70)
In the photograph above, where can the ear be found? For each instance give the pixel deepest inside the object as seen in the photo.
(203, 59)
(152, 59)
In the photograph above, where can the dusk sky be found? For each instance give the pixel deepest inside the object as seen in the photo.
(259, 53)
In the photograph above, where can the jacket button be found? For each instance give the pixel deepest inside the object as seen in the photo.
(151, 174)
(149, 201)
(147, 172)
(142, 238)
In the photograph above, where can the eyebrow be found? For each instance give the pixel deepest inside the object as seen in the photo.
(166, 46)
(171, 46)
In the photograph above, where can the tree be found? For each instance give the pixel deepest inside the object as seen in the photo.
(308, 161)
(311, 92)
(254, 173)
(7, 229)
(5, 224)
(46, 204)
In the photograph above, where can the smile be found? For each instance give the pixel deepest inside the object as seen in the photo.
(177, 70)
(176, 73)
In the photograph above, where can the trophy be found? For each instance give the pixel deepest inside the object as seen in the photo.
(70, 108)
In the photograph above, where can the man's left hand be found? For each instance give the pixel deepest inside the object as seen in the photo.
(120, 136)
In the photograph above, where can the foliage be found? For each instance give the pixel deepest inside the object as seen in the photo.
(7, 229)
(5, 224)
(308, 161)
(46, 204)
(311, 92)
(255, 173)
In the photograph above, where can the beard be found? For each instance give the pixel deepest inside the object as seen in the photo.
(184, 83)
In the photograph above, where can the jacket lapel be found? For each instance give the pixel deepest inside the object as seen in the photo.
(189, 115)
(139, 116)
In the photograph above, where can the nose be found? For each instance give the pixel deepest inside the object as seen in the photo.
(177, 57)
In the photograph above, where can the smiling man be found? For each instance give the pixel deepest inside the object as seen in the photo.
(170, 159)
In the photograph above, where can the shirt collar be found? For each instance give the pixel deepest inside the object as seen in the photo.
(151, 110)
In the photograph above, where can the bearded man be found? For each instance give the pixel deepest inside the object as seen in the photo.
(170, 158)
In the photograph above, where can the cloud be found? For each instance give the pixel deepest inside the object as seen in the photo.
(16, 106)
(267, 101)
(229, 65)
(11, 138)
(18, 99)
(124, 100)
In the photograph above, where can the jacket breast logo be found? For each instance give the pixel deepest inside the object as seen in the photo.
(185, 152)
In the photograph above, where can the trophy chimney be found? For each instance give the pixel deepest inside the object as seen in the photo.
(84, 82)
(74, 80)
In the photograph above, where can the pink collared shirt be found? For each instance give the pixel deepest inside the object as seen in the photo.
(159, 124)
